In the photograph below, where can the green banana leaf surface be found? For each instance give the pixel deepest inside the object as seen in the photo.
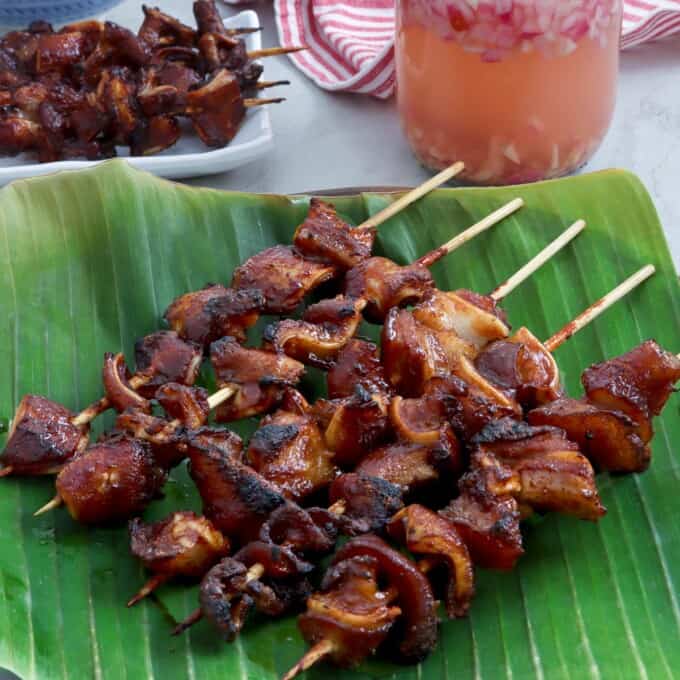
(88, 263)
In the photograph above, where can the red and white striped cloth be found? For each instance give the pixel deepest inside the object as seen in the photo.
(351, 42)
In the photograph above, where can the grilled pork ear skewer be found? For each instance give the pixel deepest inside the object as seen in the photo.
(372, 286)
(505, 374)
(91, 485)
(525, 368)
(46, 435)
(277, 279)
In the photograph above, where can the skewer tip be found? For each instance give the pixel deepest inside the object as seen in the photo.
(56, 502)
(314, 655)
(251, 102)
(190, 620)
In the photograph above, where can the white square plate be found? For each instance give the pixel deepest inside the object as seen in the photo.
(189, 157)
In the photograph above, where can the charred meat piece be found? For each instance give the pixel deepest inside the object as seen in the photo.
(43, 438)
(216, 109)
(305, 532)
(235, 497)
(473, 317)
(326, 237)
(522, 367)
(413, 354)
(166, 438)
(117, 96)
(214, 312)
(153, 135)
(283, 275)
(419, 420)
(480, 402)
(262, 378)
(357, 365)
(110, 481)
(385, 284)
(208, 19)
(554, 475)
(367, 502)
(486, 513)
(637, 383)
(417, 630)
(117, 47)
(61, 52)
(160, 30)
(426, 533)
(415, 466)
(279, 562)
(181, 545)
(325, 328)
(188, 405)
(288, 450)
(221, 439)
(229, 592)
(350, 611)
(119, 392)
(18, 135)
(353, 426)
(164, 357)
(607, 438)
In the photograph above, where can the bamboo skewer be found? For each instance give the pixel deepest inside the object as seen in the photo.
(214, 400)
(597, 308)
(412, 196)
(274, 51)
(461, 239)
(251, 102)
(264, 84)
(537, 262)
(313, 655)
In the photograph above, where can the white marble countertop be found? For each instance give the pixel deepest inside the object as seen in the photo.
(333, 140)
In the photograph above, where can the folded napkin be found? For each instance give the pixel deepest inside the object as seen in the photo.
(351, 42)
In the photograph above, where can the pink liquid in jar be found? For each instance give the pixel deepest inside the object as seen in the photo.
(520, 90)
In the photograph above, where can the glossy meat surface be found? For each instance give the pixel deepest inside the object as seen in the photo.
(283, 276)
(235, 497)
(414, 466)
(554, 475)
(609, 439)
(261, 376)
(353, 426)
(385, 284)
(417, 632)
(324, 236)
(288, 450)
(350, 610)
(188, 405)
(111, 481)
(42, 438)
(183, 544)
(165, 357)
(119, 392)
(472, 317)
(325, 328)
(486, 513)
(214, 312)
(637, 383)
(368, 501)
(523, 368)
(425, 533)
(357, 365)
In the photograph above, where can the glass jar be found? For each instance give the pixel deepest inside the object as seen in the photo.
(520, 90)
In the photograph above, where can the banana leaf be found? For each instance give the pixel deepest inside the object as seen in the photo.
(88, 262)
